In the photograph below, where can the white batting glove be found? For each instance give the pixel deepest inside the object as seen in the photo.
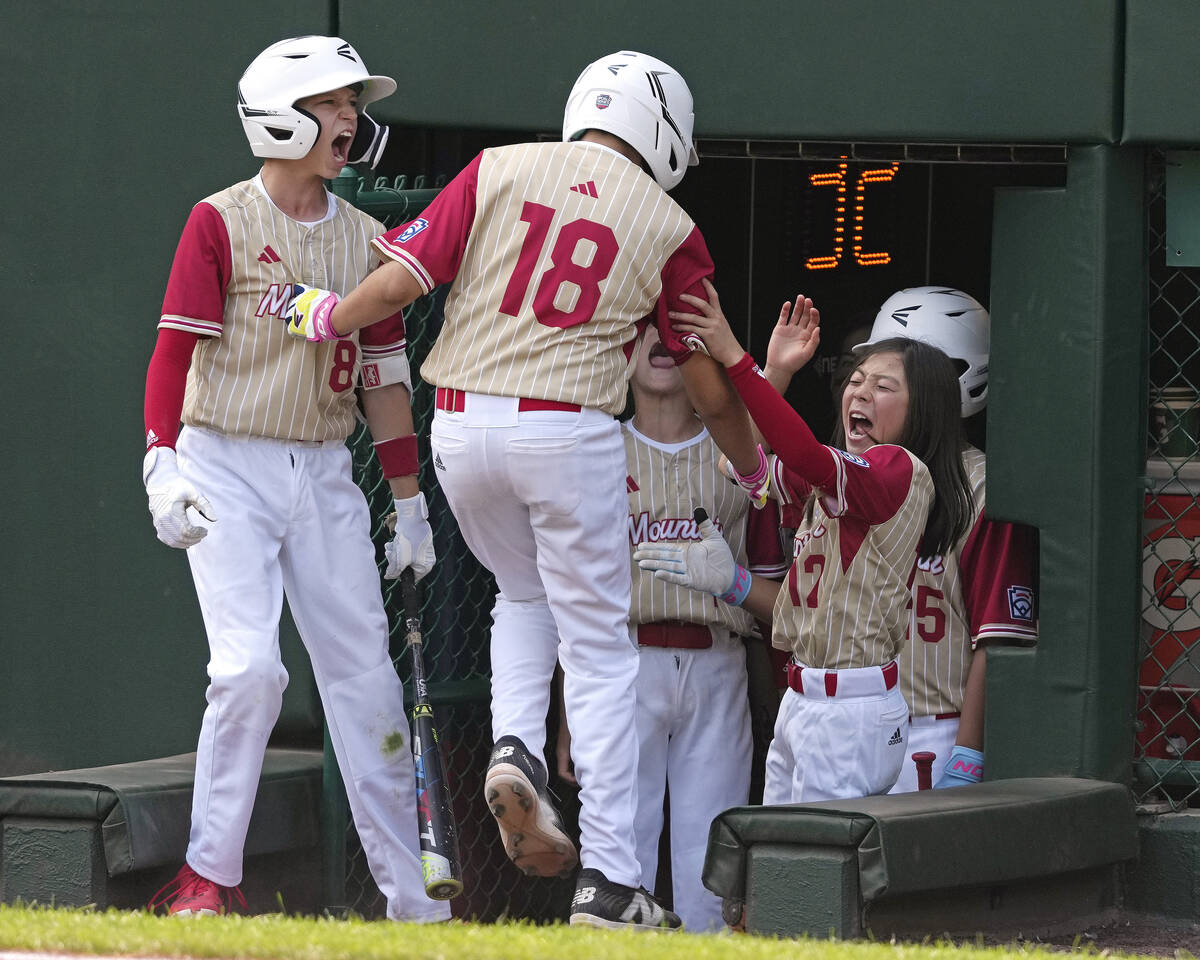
(412, 544)
(706, 565)
(309, 314)
(170, 497)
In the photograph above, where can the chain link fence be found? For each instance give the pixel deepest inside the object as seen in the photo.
(1167, 751)
(455, 612)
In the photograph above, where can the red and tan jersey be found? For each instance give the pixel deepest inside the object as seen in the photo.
(984, 590)
(666, 482)
(557, 251)
(231, 282)
(845, 601)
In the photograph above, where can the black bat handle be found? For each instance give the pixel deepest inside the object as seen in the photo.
(408, 593)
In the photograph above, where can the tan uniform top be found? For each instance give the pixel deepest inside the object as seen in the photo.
(845, 601)
(666, 482)
(985, 589)
(557, 251)
(231, 282)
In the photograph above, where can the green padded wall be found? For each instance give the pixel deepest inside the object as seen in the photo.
(1025, 70)
(1066, 428)
(1162, 84)
(127, 120)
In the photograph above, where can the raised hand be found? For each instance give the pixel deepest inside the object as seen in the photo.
(795, 339)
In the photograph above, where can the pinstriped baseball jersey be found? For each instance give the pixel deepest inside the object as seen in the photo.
(556, 251)
(666, 482)
(845, 601)
(231, 282)
(984, 590)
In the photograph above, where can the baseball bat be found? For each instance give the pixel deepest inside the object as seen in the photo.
(441, 865)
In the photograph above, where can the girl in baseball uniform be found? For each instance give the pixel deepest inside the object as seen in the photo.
(258, 489)
(891, 489)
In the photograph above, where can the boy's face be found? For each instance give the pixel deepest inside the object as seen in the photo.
(655, 372)
(337, 113)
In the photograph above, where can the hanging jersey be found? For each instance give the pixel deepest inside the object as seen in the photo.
(230, 283)
(666, 482)
(556, 252)
(845, 601)
(984, 590)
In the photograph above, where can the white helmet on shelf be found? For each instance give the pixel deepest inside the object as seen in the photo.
(291, 70)
(644, 102)
(953, 321)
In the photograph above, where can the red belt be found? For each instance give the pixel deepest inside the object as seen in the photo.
(674, 633)
(455, 401)
(890, 671)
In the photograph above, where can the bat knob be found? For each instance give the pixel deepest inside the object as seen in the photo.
(924, 761)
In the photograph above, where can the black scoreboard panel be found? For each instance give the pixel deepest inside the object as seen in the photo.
(847, 232)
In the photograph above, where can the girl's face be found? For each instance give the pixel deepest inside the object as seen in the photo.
(875, 402)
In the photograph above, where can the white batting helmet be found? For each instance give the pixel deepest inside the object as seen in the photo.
(644, 102)
(953, 321)
(288, 71)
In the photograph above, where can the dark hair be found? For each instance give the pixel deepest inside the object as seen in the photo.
(933, 434)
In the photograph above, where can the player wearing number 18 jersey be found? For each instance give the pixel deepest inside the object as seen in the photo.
(556, 252)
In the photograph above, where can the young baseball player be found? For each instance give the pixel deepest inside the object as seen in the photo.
(258, 489)
(692, 660)
(556, 251)
(895, 491)
(981, 591)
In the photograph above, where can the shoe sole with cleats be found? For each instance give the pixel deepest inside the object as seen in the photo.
(531, 838)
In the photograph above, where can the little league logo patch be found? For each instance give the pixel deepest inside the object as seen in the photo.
(1020, 602)
(412, 230)
(603, 101)
(851, 458)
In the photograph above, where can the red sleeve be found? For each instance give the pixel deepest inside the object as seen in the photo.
(383, 338)
(195, 297)
(998, 566)
(682, 273)
(432, 246)
(165, 382)
(764, 551)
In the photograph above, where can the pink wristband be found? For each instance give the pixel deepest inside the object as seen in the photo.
(758, 476)
(323, 318)
(398, 456)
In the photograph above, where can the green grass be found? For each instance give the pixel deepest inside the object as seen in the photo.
(276, 936)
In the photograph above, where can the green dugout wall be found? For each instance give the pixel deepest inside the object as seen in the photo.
(131, 121)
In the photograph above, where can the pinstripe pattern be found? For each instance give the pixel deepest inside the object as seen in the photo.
(483, 350)
(934, 663)
(668, 482)
(842, 607)
(248, 377)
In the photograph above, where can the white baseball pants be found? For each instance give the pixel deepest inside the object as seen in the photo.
(932, 734)
(290, 519)
(840, 747)
(693, 721)
(540, 499)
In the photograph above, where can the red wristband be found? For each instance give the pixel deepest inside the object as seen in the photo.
(398, 456)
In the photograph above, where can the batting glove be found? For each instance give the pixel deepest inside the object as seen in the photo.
(964, 766)
(309, 314)
(706, 565)
(170, 496)
(757, 484)
(412, 544)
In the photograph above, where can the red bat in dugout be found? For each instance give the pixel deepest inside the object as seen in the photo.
(440, 862)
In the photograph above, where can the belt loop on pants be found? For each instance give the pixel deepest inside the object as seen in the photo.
(674, 633)
(857, 682)
(455, 401)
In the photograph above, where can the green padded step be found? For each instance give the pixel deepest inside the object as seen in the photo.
(935, 839)
(144, 808)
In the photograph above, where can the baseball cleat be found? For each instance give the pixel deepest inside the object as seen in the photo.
(189, 894)
(599, 902)
(530, 828)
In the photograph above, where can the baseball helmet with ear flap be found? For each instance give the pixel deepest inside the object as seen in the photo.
(644, 102)
(954, 322)
(300, 67)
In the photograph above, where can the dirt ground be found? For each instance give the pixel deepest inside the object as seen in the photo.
(1139, 937)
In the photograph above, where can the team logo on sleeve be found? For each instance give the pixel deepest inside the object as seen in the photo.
(412, 230)
(1020, 602)
(603, 101)
(851, 458)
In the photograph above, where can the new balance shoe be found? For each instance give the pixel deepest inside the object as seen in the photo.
(516, 794)
(190, 894)
(599, 902)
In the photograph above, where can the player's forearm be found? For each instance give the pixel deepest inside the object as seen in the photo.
(760, 601)
(722, 411)
(970, 724)
(389, 415)
(384, 292)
